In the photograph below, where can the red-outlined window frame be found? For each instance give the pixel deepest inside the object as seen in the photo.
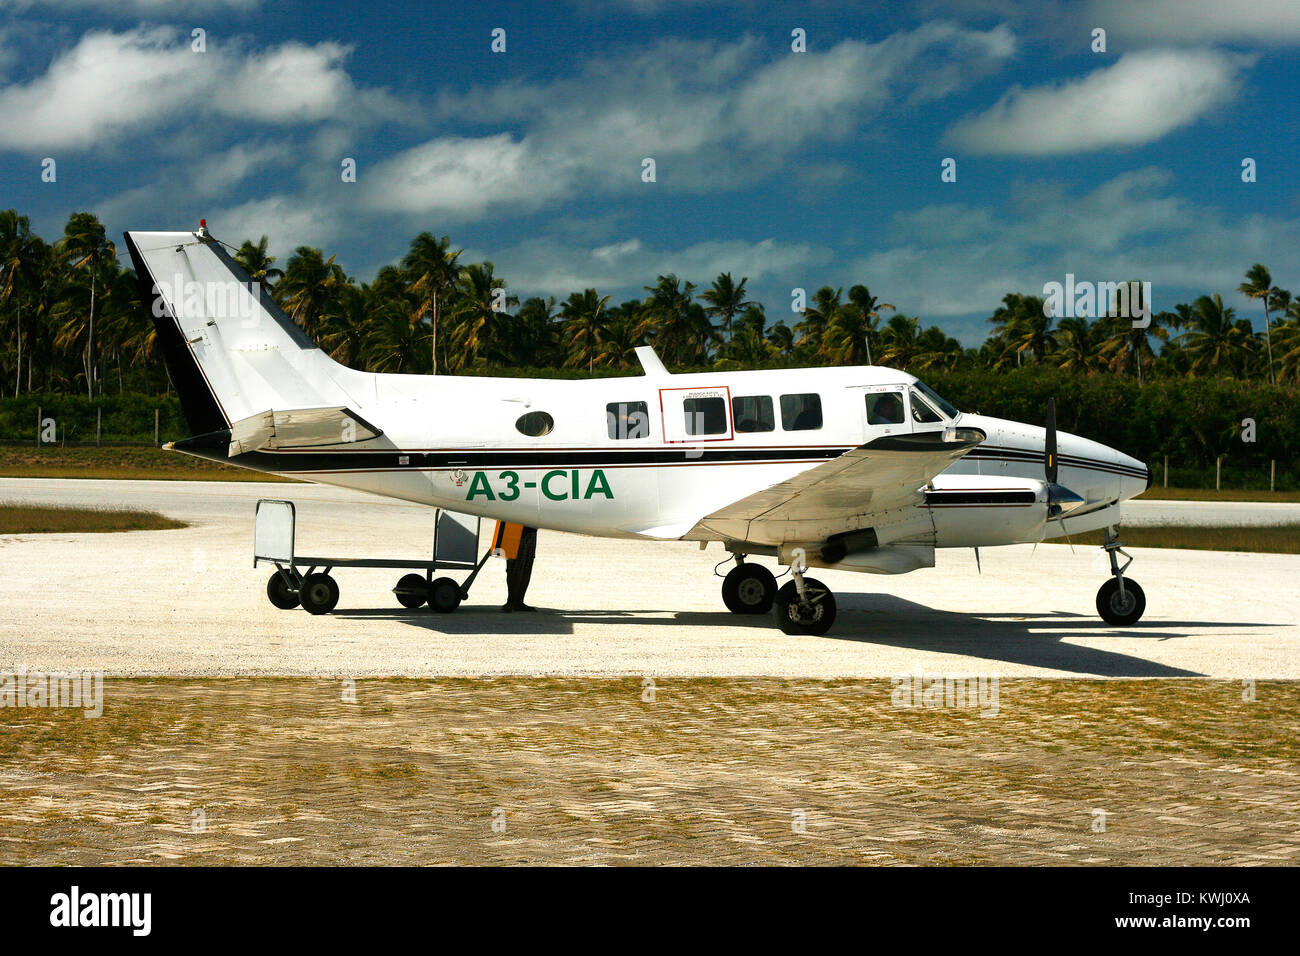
(697, 439)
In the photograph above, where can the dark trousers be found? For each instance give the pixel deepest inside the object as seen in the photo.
(519, 570)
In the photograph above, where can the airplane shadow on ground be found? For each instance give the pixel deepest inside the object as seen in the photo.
(882, 619)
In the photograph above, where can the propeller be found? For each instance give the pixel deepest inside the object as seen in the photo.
(1049, 446)
(1059, 498)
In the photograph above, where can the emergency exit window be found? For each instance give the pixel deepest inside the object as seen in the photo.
(627, 420)
(705, 416)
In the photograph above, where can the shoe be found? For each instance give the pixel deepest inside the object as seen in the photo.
(507, 608)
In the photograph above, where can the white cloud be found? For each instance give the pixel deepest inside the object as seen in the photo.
(707, 113)
(1141, 98)
(955, 259)
(287, 221)
(544, 266)
(137, 8)
(1196, 21)
(114, 85)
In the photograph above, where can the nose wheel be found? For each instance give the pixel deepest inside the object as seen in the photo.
(1120, 601)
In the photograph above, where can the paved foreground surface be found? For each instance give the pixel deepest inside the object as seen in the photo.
(188, 602)
(699, 771)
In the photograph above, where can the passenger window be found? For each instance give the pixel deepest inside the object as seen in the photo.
(801, 412)
(923, 413)
(535, 424)
(753, 413)
(705, 416)
(885, 408)
(627, 420)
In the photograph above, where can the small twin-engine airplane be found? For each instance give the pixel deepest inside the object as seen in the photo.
(852, 469)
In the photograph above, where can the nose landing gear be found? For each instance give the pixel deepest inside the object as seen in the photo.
(1120, 601)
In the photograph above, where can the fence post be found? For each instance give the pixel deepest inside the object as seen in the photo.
(155, 426)
(38, 426)
(1166, 471)
(1218, 471)
(99, 422)
(1272, 473)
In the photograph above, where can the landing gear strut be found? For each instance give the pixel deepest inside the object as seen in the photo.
(748, 588)
(804, 605)
(1120, 601)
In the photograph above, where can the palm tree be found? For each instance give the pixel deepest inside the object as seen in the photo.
(20, 257)
(1216, 340)
(1288, 341)
(726, 300)
(1019, 326)
(1076, 345)
(865, 308)
(433, 269)
(673, 321)
(1259, 285)
(310, 288)
(584, 326)
(619, 340)
(85, 245)
(536, 338)
(817, 318)
(255, 260)
(899, 343)
(478, 322)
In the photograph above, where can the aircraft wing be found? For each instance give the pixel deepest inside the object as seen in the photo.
(299, 428)
(862, 488)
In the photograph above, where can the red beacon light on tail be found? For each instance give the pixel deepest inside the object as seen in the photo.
(203, 229)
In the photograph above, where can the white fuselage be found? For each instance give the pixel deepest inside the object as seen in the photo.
(453, 442)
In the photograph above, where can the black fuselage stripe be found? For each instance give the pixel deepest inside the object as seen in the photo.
(373, 460)
(477, 460)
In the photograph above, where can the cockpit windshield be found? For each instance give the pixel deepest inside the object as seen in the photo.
(936, 399)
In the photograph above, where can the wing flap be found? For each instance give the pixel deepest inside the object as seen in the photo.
(300, 428)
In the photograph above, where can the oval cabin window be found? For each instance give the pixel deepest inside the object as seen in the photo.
(535, 424)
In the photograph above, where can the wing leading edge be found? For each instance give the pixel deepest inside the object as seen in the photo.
(871, 485)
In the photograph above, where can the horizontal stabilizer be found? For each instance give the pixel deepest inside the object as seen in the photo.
(299, 428)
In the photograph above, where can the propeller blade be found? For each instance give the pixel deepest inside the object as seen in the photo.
(1049, 446)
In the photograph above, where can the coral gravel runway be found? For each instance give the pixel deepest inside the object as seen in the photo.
(189, 603)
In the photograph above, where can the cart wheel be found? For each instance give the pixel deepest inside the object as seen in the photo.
(444, 595)
(412, 590)
(318, 593)
(278, 591)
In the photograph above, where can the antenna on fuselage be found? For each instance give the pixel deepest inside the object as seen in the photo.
(649, 360)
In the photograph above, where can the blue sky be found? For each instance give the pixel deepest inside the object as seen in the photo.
(795, 169)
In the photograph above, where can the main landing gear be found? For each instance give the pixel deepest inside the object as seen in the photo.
(748, 588)
(804, 606)
(801, 606)
(1120, 601)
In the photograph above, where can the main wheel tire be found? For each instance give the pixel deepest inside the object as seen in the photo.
(412, 590)
(748, 589)
(1118, 609)
(793, 618)
(278, 591)
(319, 593)
(444, 595)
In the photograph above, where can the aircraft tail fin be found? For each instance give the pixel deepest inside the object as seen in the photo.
(231, 351)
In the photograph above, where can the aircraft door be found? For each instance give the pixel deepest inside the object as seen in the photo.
(885, 411)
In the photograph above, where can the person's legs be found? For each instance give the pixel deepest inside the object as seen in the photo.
(519, 571)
